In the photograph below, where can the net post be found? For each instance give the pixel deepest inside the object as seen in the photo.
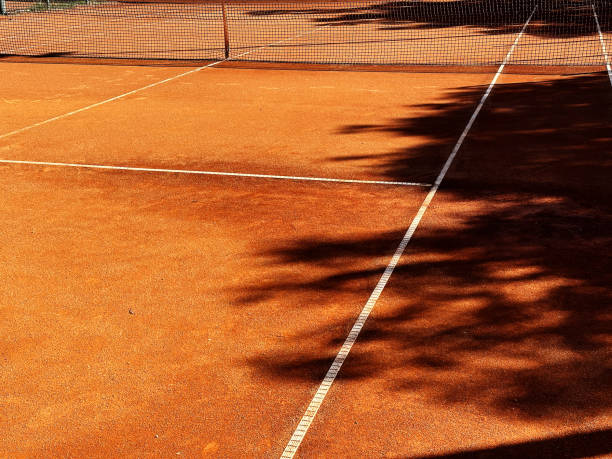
(225, 32)
(48, 4)
(2, 7)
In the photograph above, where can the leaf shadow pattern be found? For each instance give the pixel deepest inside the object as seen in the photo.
(503, 298)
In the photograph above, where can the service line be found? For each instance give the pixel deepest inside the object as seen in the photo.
(220, 173)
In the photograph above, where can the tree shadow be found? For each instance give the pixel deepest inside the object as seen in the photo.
(552, 18)
(503, 298)
(574, 446)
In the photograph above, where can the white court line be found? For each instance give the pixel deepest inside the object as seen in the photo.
(334, 369)
(227, 174)
(152, 85)
(603, 45)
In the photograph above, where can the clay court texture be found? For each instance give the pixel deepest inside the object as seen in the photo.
(241, 260)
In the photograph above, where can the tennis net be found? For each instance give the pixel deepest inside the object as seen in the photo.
(418, 32)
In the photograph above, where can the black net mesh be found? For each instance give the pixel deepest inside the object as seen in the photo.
(477, 32)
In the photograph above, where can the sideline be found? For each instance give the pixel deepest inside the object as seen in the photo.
(332, 373)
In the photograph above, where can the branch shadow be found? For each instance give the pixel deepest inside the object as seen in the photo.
(503, 298)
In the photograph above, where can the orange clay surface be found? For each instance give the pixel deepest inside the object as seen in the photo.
(254, 121)
(493, 337)
(32, 93)
(147, 314)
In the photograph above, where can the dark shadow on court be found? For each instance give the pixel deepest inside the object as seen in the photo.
(503, 299)
(580, 445)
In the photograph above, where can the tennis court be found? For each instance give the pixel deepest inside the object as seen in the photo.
(349, 230)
